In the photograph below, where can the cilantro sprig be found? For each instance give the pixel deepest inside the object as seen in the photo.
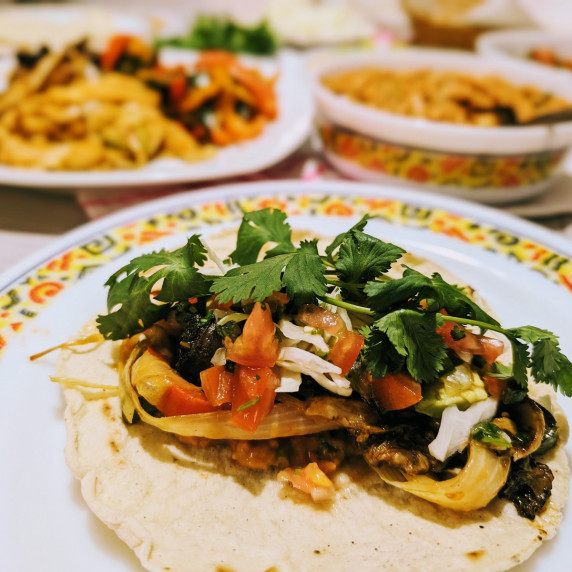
(403, 315)
(141, 292)
(352, 259)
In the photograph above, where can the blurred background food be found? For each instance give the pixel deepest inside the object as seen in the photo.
(282, 40)
(227, 99)
(78, 108)
(447, 96)
(443, 120)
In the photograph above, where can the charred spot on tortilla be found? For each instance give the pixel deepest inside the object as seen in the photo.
(476, 554)
(107, 411)
(114, 446)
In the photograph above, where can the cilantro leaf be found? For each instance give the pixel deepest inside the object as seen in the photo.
(547, 362)
(414, 337)
(490, 434)
(434, 290)
(457, 303)
(133, 293)
(304, 274)
(360, 225)
(520, 361)
(182, 279)
(363, 257)
(379, 353)
(251, 282)
(384, 295)
(257, 229)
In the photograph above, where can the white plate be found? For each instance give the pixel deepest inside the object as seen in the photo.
(280, 138)
(524, 271)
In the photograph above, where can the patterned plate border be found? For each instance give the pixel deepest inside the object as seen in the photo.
(26, 298)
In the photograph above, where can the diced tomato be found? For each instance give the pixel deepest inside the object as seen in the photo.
(217, 384)
(180, 400)
(278, 298)
(254, 389)
(495, 387)
(346, 350)
(256, 346)
(396, 391)
(216, 305)
(177, 88)
(115, 47)
(310, 480)
(321, 319)
(489, 348)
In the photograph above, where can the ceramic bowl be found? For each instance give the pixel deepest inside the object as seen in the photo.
(487, 164)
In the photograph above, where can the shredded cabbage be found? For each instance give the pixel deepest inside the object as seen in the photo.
(294, 332)
(323, 372)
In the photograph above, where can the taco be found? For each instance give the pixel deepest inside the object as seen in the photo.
(332, 404)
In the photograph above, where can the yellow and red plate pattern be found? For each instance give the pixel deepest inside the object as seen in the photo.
(472, 172)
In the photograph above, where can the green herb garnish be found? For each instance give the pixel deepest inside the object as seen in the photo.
(248, 404)
(402, 315)
(133, 287)
(211, 33)
(488, 433)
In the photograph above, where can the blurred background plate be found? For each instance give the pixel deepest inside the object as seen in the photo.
(280, 138)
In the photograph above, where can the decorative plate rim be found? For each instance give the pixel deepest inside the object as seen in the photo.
(26, 289)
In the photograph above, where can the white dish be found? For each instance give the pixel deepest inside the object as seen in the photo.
(306, 23)
(514, 46)
(487, 164)
(521, 269)
(280, 138)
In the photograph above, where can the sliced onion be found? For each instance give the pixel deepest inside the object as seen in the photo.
(478, 482)
(234, 317)
(284, 420)
(290, 381)
(455, 428)
(219, 357)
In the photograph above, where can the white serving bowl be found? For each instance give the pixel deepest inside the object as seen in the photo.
(514, 46)
(488, 164)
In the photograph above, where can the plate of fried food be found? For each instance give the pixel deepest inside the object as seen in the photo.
(133, 115)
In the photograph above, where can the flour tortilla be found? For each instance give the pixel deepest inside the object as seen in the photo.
(183, 508)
